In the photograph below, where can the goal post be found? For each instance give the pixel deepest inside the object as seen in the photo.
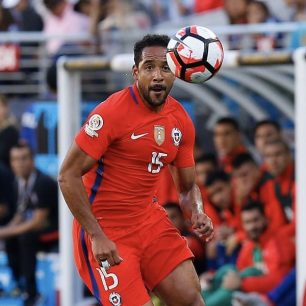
(69, 114)
(300, 167)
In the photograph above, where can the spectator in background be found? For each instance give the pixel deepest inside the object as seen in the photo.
(6, 20)
(195, 243)
(6, 195)
(298, 8)
(227, 142)
(264, 132)
(258, 12)
(205, 163)
(263, 261)
(201, 6)
(83, 7)
(220, 208)
(236, 11)
(35, 223)
(121, 16)
(168, 10)
(61, 18)
(280, 164)
(9, 133)
(26, 18)
(249, 182)
(96, 10)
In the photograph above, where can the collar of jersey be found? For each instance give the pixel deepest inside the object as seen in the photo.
(134, 92)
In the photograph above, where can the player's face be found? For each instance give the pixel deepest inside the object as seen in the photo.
(153, 76)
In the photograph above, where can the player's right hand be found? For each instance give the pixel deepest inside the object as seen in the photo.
(105, 249)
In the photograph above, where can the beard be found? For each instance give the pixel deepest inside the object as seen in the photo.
(155, 95)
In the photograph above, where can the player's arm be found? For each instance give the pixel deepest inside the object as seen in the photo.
(191, 202)
(75, 165)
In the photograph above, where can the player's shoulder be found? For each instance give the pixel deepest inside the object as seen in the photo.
(178, 110)
(115, 100)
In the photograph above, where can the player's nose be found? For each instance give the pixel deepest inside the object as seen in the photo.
(158, 75)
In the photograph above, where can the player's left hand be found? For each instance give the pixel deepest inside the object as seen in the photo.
(202, 225)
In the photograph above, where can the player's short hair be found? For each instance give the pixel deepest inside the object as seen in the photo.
(261, 123)
(242, 159)
(149, 40)
(216, 176)
(252, 205)
(229, 121)
(207, 158)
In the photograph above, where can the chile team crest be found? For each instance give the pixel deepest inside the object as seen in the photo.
(115, 299)
(176, 136)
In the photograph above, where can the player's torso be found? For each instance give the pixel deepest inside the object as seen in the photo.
(146, 142)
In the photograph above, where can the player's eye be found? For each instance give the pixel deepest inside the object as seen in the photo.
(166, 68)
(149, 67)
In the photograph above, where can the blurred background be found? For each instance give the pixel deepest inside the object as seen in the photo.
(258, 98)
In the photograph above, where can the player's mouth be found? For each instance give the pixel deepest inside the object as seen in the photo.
(158, 88)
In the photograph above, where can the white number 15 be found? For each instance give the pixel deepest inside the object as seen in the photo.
(156, 164)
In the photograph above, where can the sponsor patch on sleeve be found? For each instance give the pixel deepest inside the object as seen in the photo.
(94, 124)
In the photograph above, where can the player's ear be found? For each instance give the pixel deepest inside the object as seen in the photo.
(135, 72)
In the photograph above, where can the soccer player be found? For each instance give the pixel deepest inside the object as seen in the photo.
(124, 244)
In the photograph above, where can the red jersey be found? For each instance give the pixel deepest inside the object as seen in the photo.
(132, 145)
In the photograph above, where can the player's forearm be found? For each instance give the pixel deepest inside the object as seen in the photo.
(77, 201)
(191, 201)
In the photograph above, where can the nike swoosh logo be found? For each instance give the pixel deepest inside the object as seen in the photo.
(133, 136)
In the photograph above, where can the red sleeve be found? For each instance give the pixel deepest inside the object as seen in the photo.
(184, 156)
(97, 132)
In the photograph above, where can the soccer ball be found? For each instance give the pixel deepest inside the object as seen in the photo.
(194, 54)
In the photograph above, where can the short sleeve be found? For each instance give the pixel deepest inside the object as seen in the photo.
(97, 133)
(185, 156)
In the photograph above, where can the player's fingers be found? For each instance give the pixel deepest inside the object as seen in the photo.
(205, 230)
(116, 258)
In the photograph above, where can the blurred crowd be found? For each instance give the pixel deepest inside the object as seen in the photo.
(250, 197)
(28, 209)
(111, 26)
(100, 16)
(249, 192)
